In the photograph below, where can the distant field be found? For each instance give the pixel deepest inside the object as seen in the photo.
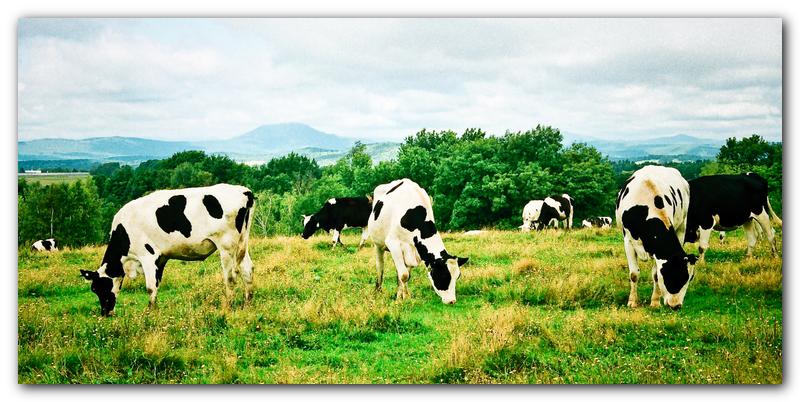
(542, 308)
(56, 178)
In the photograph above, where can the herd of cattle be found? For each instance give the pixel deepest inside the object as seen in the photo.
(657, 210)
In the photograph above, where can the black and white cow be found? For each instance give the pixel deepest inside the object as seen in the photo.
(539, 214)
(338, 214)
(725, 202)
(597, 222)
(44, 245)
(651, 208)
(187, 224)
(402, 223)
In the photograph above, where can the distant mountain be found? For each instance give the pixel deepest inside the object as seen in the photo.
(684, 146)
(259, 145)
(278, 138)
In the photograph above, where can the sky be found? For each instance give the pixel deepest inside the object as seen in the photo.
(385, 79)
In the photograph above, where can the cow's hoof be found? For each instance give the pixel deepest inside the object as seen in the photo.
(633, 304)
(655, 304)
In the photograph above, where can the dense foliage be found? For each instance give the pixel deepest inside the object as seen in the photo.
(475, 180)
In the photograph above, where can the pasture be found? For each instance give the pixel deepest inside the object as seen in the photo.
(546, 307)
(55, 178)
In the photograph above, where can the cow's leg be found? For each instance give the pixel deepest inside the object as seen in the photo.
(765, 225)
(246, 267)
(336, 240)
(655, 298)
(364, 235)
(703, 240)
(151, 281)
(750, 234)
(633, 270)
(402, 270)
(379, 267)
(228, 260)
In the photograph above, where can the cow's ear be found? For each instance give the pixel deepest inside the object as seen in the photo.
(462, 261)
(691, 259)
(89, 275)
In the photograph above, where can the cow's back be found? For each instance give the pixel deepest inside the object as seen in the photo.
(662, 190)
(390, 203)
(187, 215)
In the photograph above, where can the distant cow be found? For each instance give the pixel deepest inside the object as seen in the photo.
(651, 208)
(187, 224)
(338, 214)
(725, 202)
(44, 245)
(539, 214)
(402, 223)
(597, 222)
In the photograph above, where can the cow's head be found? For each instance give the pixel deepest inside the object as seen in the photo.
(525, 227)
(443, 274)
(103, 287)
(673, 276)
(310, 225)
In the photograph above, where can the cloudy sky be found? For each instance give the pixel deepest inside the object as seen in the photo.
(185, 79)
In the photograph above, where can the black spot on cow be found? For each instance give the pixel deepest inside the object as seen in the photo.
(47, 245)
(171, 218)
(149, 249)
(658, 202)
(118, 246)
(414, 219)
(241, 217)
(667, 200)
(250, 198)
(680, 196)
(395, 187)
(427, 257)
(657, 239)
(102, 287)
(213, 206)
(377, 209)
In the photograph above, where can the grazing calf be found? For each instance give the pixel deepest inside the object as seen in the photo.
(652, 208)
(597, 222)
(402, 223)
(187, 224)
(44, 245)
(338, 214)
(725, 202)
(563, 205)
(539, 214)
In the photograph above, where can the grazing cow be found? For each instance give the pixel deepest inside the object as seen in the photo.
(597, 222)
(44, 245)
(187, 224)
(652, 208)
(539, 214)
(338, 214)
(402, 223)
(725, 202)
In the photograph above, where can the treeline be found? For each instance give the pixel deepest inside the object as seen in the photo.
(475, 181)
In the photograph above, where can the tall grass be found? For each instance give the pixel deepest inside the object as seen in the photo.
(547, 307)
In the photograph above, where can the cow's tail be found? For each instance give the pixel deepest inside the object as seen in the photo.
(773, 216)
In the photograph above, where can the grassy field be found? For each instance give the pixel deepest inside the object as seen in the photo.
(55, 178)
(541, 308)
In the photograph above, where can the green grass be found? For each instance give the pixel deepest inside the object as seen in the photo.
(542, 308)
(55, 178)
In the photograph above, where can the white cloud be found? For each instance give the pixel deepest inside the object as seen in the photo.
(388, 78)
